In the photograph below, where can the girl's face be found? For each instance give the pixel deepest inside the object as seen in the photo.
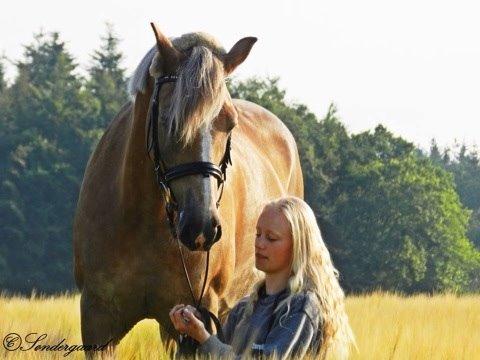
(273, 242)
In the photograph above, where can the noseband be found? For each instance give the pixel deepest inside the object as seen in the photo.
(164, 176)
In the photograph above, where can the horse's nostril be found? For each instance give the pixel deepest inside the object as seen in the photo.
(218, 233)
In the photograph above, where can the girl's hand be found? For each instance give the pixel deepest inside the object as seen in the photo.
(185, 322)
(176, 324)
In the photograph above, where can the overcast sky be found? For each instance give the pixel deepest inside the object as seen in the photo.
(413, 66)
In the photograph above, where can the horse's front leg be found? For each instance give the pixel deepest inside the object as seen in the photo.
(100, 327)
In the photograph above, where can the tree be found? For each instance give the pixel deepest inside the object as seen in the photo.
(3, 147)
(466, 171)
(465, 167)
(107, 78)
(3, 82)
(403, 228)
(47, 143)
(435, 155)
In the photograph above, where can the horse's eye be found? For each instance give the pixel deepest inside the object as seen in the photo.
(230, 124)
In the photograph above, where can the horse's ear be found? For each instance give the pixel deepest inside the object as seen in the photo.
(170, 56)
(238, 53)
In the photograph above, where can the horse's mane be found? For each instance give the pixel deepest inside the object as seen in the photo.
(199, 91)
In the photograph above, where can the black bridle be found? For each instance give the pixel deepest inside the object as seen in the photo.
(164, 176)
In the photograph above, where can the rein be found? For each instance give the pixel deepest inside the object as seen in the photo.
(164, 176)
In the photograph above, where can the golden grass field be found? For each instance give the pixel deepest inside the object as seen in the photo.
(386, 326)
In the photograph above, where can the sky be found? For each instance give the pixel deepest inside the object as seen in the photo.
(413, 66)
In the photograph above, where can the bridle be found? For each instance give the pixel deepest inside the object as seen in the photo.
(165, 176)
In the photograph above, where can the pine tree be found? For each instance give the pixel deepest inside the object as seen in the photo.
(3, 83)
(48, 145)
(435, 154)
(107, 78)
(3, 150)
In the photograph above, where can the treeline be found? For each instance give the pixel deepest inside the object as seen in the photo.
(393, 217)
(51, 117)
(390, 214)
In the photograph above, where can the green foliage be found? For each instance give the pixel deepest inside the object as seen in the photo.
(391, 219)
(465, 167)
(107, 80)
(46, 141)
(403, 228)
(3, 82)
(40, 181)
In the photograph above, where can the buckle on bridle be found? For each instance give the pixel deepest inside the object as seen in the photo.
(159, 176)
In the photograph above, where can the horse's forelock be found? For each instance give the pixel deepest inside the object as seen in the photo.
(200, 91)
(198, 96)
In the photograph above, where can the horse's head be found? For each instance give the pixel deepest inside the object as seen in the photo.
(196, 116)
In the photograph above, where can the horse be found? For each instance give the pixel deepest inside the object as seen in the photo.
(126, 260)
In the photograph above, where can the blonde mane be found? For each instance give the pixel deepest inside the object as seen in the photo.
(199, 91)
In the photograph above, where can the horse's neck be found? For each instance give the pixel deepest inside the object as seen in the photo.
(138, 184)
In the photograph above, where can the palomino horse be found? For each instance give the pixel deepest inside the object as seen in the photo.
(127, 265)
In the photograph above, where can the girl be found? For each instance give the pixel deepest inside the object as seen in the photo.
(297, 308)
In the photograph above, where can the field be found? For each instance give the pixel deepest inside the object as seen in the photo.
(387, 326)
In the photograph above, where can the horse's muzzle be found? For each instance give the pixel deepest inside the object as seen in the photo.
(199, 235)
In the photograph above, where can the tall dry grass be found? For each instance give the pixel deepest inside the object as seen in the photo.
(387, 326)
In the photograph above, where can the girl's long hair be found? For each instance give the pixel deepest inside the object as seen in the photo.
(312, 270)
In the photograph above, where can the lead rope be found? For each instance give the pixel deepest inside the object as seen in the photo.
(173, 231)
(196, 302)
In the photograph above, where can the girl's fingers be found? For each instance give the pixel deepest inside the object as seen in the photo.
(194, 311)
(192, 319)
(176, 307)
(184, 319)
(179, 316)
(179, 324)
